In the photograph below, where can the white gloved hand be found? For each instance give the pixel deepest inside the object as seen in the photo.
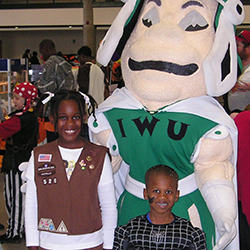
(222, 204)
(22, 167)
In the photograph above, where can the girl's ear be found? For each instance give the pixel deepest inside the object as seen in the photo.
(51, 119)
(85, 118)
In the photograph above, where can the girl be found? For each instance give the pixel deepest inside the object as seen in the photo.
(20, 131)
(70, 199)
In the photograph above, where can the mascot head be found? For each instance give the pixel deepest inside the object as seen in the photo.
(175, 49)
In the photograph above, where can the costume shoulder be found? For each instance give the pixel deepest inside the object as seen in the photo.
(211, 109)
(121, 98)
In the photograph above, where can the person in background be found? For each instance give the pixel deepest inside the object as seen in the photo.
(26, 54)
(160, 228)
(239, 96)
(20, 130)
(90, 77)
(34, 59)
(242, 121)
(57, 74)
(70, 198)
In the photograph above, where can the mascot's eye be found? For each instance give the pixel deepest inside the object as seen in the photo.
(151, 18)
(193, 21)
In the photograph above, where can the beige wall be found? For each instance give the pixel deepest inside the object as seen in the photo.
(34, 25)
(14, 43)
(47, 17)
(67, 40)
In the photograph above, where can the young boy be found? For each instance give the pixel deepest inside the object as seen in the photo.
(160, 228)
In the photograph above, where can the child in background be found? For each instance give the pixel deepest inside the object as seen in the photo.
(160, 228)
(70, 198)
(20, 131)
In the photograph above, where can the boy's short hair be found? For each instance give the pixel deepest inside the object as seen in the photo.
(84, 50)
(164, 169)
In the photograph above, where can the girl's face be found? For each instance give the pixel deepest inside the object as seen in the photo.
(18, 101)
(69, 124)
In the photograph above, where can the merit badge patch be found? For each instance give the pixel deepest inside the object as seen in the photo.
(62, 228)
(46, 224)
(44, 157)
(46, 170)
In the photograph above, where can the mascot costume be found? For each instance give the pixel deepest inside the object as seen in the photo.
(175, 55)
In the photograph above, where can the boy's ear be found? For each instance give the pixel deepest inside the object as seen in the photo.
(177, 195)
(145, 194)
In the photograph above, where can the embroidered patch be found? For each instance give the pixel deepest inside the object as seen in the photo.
(62, 228)
(46, 170)
(46, 224)
(44, 157)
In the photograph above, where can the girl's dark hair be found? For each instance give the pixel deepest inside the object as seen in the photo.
(65, 94)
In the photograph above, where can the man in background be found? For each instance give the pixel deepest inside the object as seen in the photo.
(239, 96)
(57, 74)
(90, 77)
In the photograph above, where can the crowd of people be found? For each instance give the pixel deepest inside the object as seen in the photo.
(70, 172)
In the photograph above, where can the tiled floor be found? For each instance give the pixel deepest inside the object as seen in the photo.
(3, 220)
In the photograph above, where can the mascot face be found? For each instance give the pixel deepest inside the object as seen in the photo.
(162, 59)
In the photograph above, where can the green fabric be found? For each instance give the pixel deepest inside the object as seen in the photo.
(131, 15)
(145, 140)
(157, 148)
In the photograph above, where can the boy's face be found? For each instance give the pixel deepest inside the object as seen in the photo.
(82, 59)
(162, 193)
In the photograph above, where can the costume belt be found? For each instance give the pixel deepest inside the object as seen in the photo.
(186, 186)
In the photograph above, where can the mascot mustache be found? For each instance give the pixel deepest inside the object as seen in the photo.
(182, 70)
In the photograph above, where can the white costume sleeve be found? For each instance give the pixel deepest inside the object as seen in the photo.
(107, 200)
(32, 234)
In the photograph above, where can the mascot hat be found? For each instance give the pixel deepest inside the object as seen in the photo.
(220, 66)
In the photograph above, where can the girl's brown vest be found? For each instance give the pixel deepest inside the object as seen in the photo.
(69, 207)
